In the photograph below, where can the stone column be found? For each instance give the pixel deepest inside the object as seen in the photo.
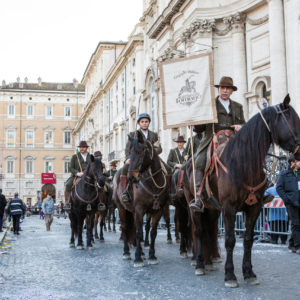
(277, 51)
(239, 59)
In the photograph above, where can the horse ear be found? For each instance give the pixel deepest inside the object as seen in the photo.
(140, 137)
(286, 101)
(92, 158)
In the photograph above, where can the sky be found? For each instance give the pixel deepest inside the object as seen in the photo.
(54, 39)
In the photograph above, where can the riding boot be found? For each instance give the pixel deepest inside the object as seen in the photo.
(67, 201)
(124, 187)
(179, 190)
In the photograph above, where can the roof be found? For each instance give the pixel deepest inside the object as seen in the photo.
(44, 86)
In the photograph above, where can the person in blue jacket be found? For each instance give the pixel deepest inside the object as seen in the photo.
(288, 188)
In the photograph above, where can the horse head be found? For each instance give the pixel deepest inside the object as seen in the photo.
(287, 127)
(140, 156)
(95, 171)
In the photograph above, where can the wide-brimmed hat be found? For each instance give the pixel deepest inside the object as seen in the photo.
(83, 144)
(143, 116)
(180, 139)
(227, 82)
(113, 163)
(98, 154)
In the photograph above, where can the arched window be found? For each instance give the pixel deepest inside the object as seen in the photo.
(153, 105)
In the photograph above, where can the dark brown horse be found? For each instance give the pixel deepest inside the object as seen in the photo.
(240, 183)
(150, 195)
(85, 200)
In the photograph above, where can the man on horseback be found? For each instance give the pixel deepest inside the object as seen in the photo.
(79, 162)
(230, 116)
(143, 121)
(112, 171)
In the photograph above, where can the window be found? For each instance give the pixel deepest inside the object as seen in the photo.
(29, 111)
(29, 138)
(10, 167)
(29, 184)
(49, 138)
(153, 105)
(48, 167)
(10, 184)
(11, 138)
(29, 167)
(67, 165)
(67, 112)
(49, 112)
(11, 110)
(67, 138)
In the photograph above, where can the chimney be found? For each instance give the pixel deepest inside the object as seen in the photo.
(75, 83)
(26, 79)
(40, 81)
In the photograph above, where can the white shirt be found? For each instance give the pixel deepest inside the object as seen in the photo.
(83, 157)
(181, 151)
(225, 103)
(145, 133)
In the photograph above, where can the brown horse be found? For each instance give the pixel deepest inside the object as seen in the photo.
(150, 195)
(241, 180)
(100, 216)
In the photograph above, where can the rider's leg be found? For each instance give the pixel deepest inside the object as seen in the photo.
(124, 185)
(179, 190)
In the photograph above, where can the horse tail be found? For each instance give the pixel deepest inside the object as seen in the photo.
(130, 228)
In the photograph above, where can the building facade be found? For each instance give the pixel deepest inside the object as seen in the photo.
(255, 42)
(36, 126)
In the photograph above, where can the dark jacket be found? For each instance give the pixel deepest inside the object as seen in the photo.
(287, 187)
(74, 166)
(175, 157)
(152, 138)
(16, 207)
(3, 203)
(196, 142)
(225, 120)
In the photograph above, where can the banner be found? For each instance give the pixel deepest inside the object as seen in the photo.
(48, 178)
(188, 91)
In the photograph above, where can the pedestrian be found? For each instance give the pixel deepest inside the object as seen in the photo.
(48, 210)
(41, 214)
(288, 187)
(3, 203)
(15, 209)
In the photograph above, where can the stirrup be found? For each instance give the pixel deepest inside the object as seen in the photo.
(179, 192)
(196, 207)
(125, 198)
(101, 207)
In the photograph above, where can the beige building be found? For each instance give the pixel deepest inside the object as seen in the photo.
(36, 126)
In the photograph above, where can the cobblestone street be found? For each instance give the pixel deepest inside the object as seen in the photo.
(40, 265)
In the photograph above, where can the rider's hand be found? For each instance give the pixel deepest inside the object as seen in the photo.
(110, 177)
(236, 127)
(186, 158)
(178, 166)
(79, 174)
(127, 162)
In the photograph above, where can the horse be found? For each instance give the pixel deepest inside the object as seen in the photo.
(111, 207)
(238, 179)
(150, 195)
(166, 215)
(100, 216)
(84, 202)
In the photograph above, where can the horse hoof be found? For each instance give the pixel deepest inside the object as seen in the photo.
(210, 267)
(231, 284)
(72, 245)
(183, 255)
(79, 247)
(96, 237)
(217, 260)
(126, 257)
(109, 230)
(144, 257)
(139, 264)
(193, 263)
(146, 244)
(178, 241)
(153, 261)
(102, 240)
(199, 272)
(105, 229)
(169, 241)
(90, 248)
(252, 281)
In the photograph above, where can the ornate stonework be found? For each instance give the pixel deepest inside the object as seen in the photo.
(171, 53)
(259, 21)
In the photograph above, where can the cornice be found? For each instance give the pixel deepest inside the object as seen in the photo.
(255, 22)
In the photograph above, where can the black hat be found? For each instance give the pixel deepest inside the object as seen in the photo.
(83, 144)
(180, 139)
(98, 154)
(143, 116)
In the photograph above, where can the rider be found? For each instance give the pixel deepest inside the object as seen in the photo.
(177, 158)
(79, 162)
(143, 121)
(230, 115)
(112, 171)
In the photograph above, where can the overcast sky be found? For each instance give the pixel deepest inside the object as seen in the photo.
(54, 39)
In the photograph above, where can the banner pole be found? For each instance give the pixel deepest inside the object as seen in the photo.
(193, 162)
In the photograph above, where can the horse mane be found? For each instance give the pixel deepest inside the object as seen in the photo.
(244, 156)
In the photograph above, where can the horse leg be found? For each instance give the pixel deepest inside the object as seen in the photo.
(166, 212)
(102, 221)
(138, 262)
(89, 232)
(252, 214)
(177, 225)
(72, 223)
(182, 223)
(79, 230)
(96, 226)
(155, 219)
(114, 220)
(229, 222)
(108, 220)
(147, 230)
